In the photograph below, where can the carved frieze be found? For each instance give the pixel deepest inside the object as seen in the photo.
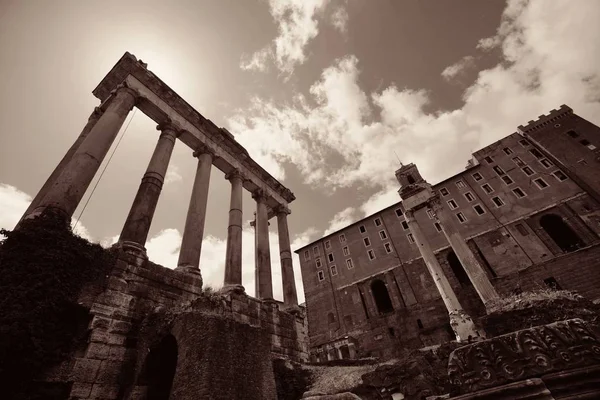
(524, 354)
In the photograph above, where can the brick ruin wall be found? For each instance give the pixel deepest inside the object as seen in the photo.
(106, 366)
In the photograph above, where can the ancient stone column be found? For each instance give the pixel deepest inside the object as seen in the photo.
(70, 186)
(472, 267)
(93, 118)
(191, 245)
(461, 322)
(263, 253)
(290, 297)
(136, 228)
(233, 252)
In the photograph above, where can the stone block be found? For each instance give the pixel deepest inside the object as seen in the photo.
(99, 322)
(97, 351)
(108, 338)
(81, 390)
(109, 371)
(104, 392)
(85, 370)
(117, 353)
(117, 326)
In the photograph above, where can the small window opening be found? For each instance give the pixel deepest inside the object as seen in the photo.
(552, 283)
(381, 296)
(420, 324)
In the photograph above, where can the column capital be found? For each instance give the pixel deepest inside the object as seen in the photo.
(168, 128)
(282, 209)
(260, 196)
(97, 113)
(124, 87)
(233, 174)
(203, 149)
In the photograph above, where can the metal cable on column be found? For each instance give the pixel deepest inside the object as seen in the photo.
(105, 167)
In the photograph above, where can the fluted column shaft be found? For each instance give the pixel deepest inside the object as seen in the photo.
(233, 252)
(70, 186)
(290, 297)
(140, 216)
(263, 252)
(191, 245)
(93, 118)
(472, 267)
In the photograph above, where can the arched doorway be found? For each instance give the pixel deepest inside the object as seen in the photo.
(382, 297)
(160, 369)
(457, 269)
(561, 233)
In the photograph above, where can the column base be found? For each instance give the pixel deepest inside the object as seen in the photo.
(238, 289)
(271, 302)
(292, 309)
(132, 248)
(464, 327)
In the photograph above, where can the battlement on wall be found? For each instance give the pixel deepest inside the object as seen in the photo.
(545, 120)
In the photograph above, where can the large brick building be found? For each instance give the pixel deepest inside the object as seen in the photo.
(528, 206)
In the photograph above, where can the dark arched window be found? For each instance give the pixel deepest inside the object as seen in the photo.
(381, 296)
(160, 369)
(458, 269)
(410, 178)
(330, 318)
(561, 233)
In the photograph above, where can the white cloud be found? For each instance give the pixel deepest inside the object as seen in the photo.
(341, 220)
(297, 26)
(14, 202)
(339, 19)
(550, 57)
(173, 174)
(451, 72)
(380, 200)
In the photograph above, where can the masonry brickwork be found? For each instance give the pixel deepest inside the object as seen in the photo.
(529, 210)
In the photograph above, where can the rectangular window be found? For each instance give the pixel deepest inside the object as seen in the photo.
(398, 212)
(410, 238)
(477, 176)
(461, 217)
(487, 188)
(382, 235)
(349, 263)
(430, 213)
(444, 192)
(330, 257)
(405, 225)
(367, 242)
(460, 184)
(560, 176)
(478, 209)
(499, 170)
(438, 227)
(452, 204)
(518, 161)
(346, 250)
(573, 134)
(318, 262)
(522, 230)
(377, 222)
(546, 163)
(524, 142)
(489, 159)
(321, 275)
(342, 238)
(333, 269)
(328, 244)
(540, 183)
(508, 180)
(362, 229)
(498, 201)
(507, 151)
(306, 255)
(584, 142)
(536, 153)
(469, 196)
(388, 247)
(371, 254)
(519, 193)
(316, 250)
(528, 171)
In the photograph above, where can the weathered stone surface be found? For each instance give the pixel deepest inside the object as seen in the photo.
(339, 396)
(530, 389)
(81, 390)
(85, 370)
(524, 354)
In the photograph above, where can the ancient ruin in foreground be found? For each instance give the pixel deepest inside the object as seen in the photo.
(81, 322)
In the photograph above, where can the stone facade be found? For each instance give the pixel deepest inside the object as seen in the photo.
(512, 234)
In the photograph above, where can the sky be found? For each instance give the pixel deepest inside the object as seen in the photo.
(327, 95)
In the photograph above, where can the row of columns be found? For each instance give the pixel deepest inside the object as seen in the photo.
(67, 184)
